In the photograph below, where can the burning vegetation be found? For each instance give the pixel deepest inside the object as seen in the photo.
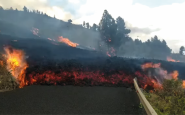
(67, 41)
(16, 64)
(170, 99)
(172, 60)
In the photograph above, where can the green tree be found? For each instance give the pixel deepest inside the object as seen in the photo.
(11, 8)
(122, 33)
(108, 29)
(70, 21)
(83, 24)
(94, 27)
(25, 9)
(181, 50)
(87, 25)
(158, 49)
(1, 8)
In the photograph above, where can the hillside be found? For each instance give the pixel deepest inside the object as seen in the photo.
(44, 48)
(23, 23)
(107, 38)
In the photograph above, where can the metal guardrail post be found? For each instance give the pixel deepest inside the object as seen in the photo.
(148, 108)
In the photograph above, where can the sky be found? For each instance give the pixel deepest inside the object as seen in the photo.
(145, 18)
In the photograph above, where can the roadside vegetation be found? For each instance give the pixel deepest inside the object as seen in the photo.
(170, 100)
(6, 80)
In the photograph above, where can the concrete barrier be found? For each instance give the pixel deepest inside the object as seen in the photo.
(148, 108)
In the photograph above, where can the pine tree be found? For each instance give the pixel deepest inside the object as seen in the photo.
(122, 33)
(181, 50)
(83, 24)
(108, 29)
(25, 9)
(94, 27)
(1, 8)
(87, 25)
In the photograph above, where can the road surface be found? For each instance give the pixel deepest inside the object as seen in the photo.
(70, 100)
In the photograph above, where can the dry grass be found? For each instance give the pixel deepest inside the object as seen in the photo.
(7, 82)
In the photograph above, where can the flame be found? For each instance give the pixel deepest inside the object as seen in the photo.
(111, 52)
(49, 39)
(35, 31)
(150, 65)
(172, 60)
(175, 74)
(156, 84)
(1, 62)
(53, 41)
(67, 41)
(183, 84)
(108, 54)
(16, 64)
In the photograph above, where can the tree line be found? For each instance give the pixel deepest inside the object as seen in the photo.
(114, 35)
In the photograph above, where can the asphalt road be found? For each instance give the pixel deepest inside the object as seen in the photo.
(70, 100)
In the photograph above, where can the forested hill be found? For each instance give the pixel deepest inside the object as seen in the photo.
(110, 35)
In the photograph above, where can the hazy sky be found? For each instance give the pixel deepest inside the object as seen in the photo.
(146, 18)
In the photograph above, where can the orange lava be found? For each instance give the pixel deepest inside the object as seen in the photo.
(77, 77)
(67, 41)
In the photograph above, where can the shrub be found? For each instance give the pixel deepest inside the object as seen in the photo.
(7, 82)
(170, 100)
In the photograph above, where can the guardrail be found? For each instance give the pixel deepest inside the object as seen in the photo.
(148, 108)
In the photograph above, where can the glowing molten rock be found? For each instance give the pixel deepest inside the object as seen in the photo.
(16, 64)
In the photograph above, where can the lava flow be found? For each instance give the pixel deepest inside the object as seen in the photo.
(151, 77)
